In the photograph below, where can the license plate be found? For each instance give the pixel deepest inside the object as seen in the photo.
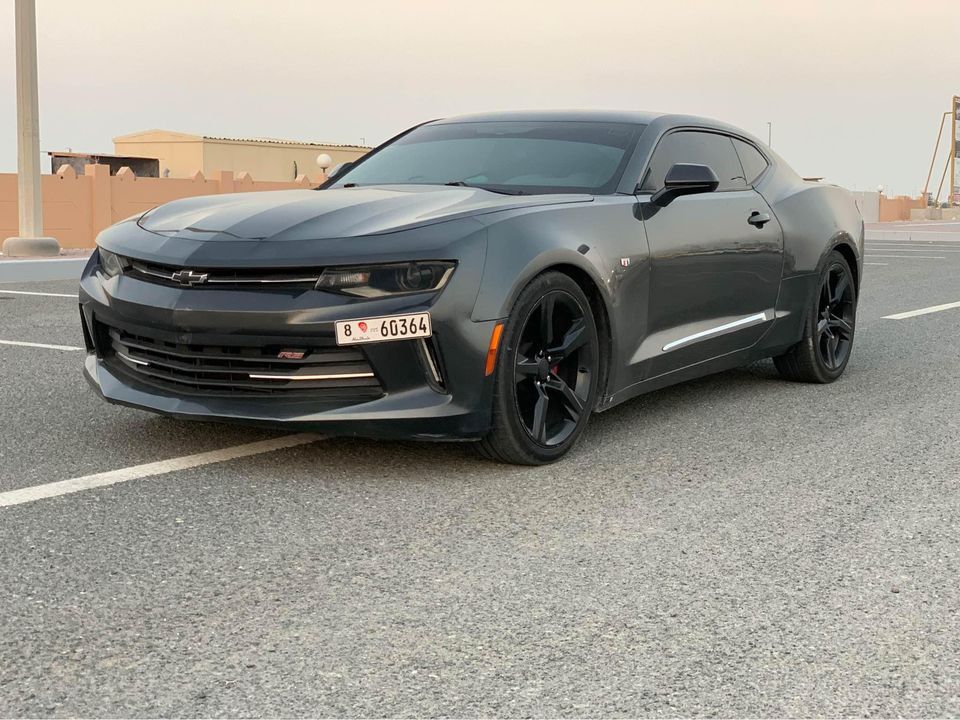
(383, 329)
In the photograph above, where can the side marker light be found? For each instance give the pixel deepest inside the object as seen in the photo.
(492, 350)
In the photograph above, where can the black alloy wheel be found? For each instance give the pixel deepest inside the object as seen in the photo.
(546, 377)
(835, 317)
(553, 369)
(823, 353)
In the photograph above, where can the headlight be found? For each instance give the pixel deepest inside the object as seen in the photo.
(372, 281)
(111, 263)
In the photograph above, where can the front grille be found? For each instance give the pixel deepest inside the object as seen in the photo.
(301, 278)
(323, 371)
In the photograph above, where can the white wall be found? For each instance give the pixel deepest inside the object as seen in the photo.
(869, 204)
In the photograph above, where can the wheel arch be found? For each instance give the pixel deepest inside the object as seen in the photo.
(845, 248)
(583, 265)
(601, 316)
(797, 292)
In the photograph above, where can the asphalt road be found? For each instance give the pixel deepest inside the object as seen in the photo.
(738, 545)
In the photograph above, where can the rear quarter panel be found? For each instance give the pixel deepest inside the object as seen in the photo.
(815, 218)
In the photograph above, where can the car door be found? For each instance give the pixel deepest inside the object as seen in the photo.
(716, 257)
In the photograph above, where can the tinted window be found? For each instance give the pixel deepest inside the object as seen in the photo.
(753, 161)
(699, 148)
(507, 155)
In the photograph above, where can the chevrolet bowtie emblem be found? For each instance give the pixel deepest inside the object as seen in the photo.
(189, 277)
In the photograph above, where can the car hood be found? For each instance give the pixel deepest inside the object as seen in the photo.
(327, 214)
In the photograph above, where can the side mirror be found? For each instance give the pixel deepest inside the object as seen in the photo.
(339, 169)
(685, 179)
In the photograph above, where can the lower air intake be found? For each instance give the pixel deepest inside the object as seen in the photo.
(316, 370)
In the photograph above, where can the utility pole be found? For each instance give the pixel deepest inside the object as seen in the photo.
(30, 240)
(769, 134)
(954, 151)
(933, 159)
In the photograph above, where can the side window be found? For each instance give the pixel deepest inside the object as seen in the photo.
(753, 161)
(700, 148)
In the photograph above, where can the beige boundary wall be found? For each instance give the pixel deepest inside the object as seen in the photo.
(935, 213)
(898, 208)
(76, 208)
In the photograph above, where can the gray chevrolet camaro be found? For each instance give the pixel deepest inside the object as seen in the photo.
(493, 277)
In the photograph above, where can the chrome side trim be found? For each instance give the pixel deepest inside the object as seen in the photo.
(720, 329)
(340, 376)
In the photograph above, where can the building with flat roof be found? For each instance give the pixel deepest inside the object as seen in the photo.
(142, 167)
(181, 154)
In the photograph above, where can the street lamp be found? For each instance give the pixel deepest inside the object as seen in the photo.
(324, 161)
(30, 241)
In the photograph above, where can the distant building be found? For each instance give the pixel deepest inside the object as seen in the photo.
(181, 154)
(141, 166)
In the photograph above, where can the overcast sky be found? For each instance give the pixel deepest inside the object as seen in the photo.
(854, 88)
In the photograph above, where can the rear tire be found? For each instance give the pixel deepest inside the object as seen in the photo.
(545, 382)
(823, 353)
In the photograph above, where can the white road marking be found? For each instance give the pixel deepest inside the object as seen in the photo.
(870, 263)
(925, 248)
(915, 243)
(910, 257)
(27, 292)
(912, 237)
(61, 259)
(922, 311)
(112, 477)
(913, 227)
(39, 345)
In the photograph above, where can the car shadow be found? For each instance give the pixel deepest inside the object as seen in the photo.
(646, 414)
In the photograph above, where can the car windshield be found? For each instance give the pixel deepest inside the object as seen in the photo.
(516, 157)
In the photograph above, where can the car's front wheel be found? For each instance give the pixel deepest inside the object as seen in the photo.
(823, 353)
(546, 374)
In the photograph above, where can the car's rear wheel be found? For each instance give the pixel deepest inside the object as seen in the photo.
(546, 374)
(823, 353)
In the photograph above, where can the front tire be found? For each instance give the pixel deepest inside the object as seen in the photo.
(823, 353)
(545, 381)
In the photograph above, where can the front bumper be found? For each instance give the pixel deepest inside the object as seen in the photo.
(410, 404)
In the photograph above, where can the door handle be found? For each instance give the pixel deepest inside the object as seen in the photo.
(758, 219)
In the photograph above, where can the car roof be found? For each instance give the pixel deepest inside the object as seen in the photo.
(634, 117)
(614, 116)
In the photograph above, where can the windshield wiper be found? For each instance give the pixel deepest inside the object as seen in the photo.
(461, 183)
